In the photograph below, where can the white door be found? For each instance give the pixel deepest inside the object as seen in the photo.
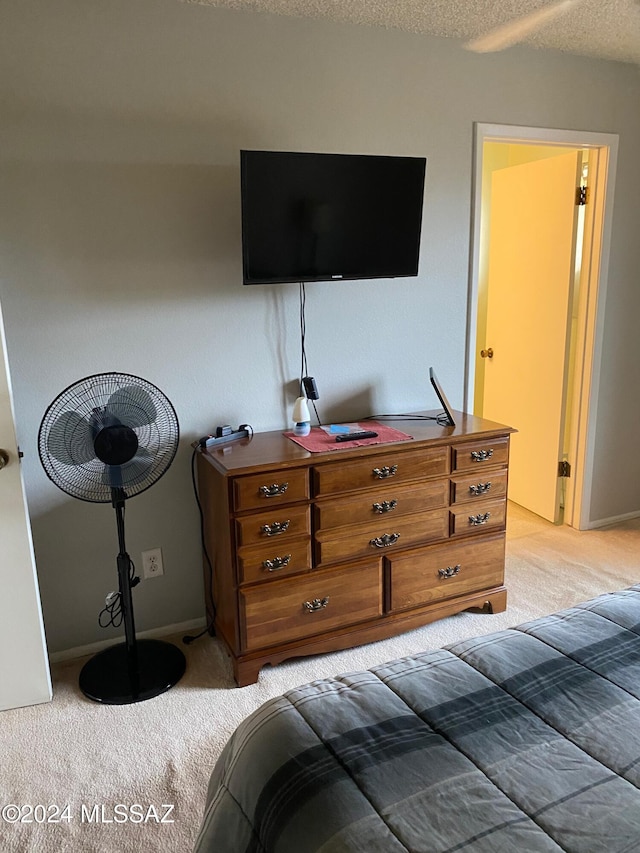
(530, 275)
(24, 665)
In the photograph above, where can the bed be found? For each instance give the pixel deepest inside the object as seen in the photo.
(527, 739)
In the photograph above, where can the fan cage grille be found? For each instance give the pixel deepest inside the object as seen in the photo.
(85, 479)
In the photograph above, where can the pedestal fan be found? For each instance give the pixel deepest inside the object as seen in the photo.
(105, 439)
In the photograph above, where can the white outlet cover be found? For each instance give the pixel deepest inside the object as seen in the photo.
(152, 566)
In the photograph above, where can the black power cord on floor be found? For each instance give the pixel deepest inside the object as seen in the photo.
(210, 628)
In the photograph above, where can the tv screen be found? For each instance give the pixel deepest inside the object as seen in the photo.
(323, 217)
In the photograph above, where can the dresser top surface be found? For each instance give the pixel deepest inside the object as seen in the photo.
(275, 450)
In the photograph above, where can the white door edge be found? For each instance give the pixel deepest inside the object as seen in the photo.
(24, 670)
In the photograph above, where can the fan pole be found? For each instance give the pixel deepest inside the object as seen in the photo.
(124, 583)
(136, 669)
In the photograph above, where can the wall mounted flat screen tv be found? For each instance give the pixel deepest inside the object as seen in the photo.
(324, 217)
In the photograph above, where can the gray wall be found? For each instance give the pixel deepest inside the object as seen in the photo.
(120, 244)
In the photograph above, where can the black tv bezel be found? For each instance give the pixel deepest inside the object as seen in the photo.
(252, 281)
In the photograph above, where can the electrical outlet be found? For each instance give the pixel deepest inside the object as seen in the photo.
(152, 563)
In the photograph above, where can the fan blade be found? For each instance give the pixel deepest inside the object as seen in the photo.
(129, 474)
(132, 406)
(70, 439)
(514, 31)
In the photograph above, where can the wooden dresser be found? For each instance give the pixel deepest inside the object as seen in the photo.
(315, 552)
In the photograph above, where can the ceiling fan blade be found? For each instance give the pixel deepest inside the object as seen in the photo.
(130, 473)
(70, 439)
(514, 31)
(132, 406)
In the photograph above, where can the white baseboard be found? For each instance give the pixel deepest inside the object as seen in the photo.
(616, 519)
(154, 633)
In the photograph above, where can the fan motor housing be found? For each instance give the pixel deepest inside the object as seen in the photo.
(116, 444)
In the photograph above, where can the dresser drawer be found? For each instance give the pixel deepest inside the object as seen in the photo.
(296, 608)
(278, 523)
(476, 455)
(270, 489)
(444, 571)
(470, 487)
(274, 560)
(394, 466)
(381, 536)
(478, 517)
(380, 504)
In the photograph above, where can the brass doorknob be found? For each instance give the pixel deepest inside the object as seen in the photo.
(486, 353)
(4, 459)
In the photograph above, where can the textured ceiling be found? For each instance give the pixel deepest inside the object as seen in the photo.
(608, 29)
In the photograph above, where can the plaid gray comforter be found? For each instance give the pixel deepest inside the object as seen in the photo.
(523, 740)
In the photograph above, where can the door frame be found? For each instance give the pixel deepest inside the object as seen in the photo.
(603, 158)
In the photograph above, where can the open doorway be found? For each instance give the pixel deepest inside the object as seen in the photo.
(536, 290)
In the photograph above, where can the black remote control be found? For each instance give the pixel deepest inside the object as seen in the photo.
(355, 436)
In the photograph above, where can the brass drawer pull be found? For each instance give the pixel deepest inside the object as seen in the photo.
(449, 572)
(275, 528)
(276, 563)
(482, 518)
(385, 540)
(481, 455)
(385, 506)
(480, 488)
(316, 604)
(383, 473)
(273, 490)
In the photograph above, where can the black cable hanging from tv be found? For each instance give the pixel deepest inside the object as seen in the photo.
(307, 383)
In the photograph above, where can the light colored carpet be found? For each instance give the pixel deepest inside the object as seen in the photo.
(73, 751)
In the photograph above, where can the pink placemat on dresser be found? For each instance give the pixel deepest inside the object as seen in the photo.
(318, 441)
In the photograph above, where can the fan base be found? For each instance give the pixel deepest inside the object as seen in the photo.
(107, 677)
